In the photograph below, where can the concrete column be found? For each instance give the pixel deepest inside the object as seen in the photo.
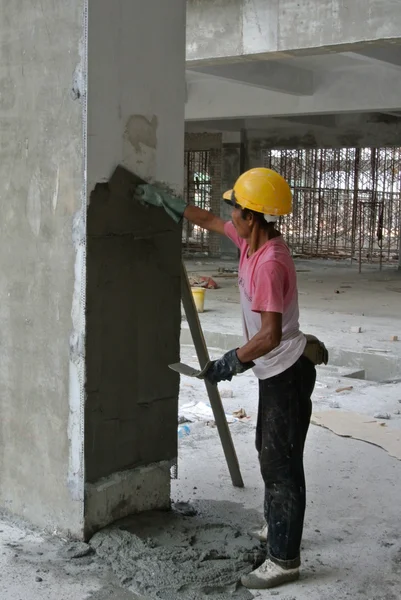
(216, 166)
(41, 189)
(230, 171)
(136, 98)
(210, 142)
(87, 435)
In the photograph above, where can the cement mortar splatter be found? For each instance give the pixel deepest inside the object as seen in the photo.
(141, 130)
(170, 556)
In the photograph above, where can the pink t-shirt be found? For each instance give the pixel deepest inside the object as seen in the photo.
(268, 283)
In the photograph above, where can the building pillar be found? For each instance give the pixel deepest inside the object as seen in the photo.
(136, 99)
(41, 189)
(87, 435)
(211, 143)
(230, 170)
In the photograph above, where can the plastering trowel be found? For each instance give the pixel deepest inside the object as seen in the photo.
(189, 371)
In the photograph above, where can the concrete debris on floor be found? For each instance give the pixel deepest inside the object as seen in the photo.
(38, 566)
(172, 556)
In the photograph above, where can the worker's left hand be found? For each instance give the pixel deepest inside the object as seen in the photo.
(226, 367)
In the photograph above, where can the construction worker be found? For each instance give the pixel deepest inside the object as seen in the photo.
(275, 348)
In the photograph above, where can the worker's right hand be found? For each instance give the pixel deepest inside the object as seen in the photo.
(226, 367)
(155, 196)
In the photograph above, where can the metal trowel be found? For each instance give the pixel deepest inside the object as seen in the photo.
(189, 371)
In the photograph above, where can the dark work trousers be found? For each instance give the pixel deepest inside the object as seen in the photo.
(283, 420)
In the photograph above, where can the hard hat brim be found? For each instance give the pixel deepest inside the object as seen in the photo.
(263, 191)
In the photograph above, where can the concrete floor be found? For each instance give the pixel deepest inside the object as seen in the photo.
(33, 567)
(333, 297)
(352, 541)
(352, 537)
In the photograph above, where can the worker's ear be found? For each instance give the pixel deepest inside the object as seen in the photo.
(248, 216)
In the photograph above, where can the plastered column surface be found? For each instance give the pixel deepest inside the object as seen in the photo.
(136, 95)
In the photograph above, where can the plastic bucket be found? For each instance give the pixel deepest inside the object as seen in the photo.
(199, 298)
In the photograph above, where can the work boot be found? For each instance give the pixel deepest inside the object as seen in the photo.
(269, 575)
(260, 534)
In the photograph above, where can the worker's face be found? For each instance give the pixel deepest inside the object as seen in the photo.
(242, 226)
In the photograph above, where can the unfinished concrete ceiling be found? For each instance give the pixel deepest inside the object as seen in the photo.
(366, 79)
(263, 60)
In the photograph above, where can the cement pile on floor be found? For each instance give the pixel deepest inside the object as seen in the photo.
(169, 556)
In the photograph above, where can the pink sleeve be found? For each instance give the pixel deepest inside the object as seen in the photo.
(231, 233)
(269, 285)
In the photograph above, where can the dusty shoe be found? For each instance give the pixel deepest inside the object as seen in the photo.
(269, 575)
(260, 534)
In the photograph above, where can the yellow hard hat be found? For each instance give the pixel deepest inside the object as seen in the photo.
(261, 190)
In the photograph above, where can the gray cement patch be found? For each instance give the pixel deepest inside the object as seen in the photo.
(113, 593)
(170, 556)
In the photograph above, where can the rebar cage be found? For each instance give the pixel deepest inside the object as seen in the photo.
(198, 191)
(347, 201)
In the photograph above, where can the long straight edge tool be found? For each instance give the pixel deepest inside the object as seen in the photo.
(212, 390)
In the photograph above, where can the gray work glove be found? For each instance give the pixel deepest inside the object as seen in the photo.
(226, 367)
(151, 194)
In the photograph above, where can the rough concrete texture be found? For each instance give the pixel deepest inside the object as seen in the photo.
(133, 282)
(40, 567)
(135, 99)
(226, 28)
(126, 493)
(135, 119)
(172, 556)
(41, 169)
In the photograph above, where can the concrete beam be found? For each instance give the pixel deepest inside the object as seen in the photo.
(389, 55)
(226, 125)
(351, 90)
(264, 74)
(327, 122)
(352, 129)
(324, 121)
(233, 28)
